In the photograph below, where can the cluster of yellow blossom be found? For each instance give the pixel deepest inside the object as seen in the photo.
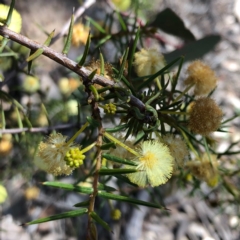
(31, 84)
(204, 116)
(96, 65)
(80, 34)
(110, 108)
(116, 214)
(177, 148)
(52, 155)
(205, 169)
(155, 164)
(202, 77)
(148, 61)
(16, 20)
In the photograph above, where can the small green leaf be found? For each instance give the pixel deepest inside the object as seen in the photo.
(128, 199)
(83, 58)
(3, 43)
(96, 25)
(102, 68)
(171, 23)
(92, 121)
(124, 60)
(109, 145)
(121, 21)
(103, 40)
(9, 16)
(117, 129)
(69, 187)
(104, 187)
(92, 74)
(82, 204)
(118, 159)
(132, 52)
(104, 171)
(99, 220)
(95, 92)
(75, 213)
(35, 55)
(69, 37)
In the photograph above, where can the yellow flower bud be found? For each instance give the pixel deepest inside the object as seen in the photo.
(122, 5)
(205, 169)
(204, 116)
(16, 20)
(202, 76)
(110, 108)
(148, 61)
(31, 84)
(31, 193)
(116, 214)
(178, 149)
(80, 34)
(74, 157)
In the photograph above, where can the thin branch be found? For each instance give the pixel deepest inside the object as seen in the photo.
(66, 62)
(77, 14)
(39, 129)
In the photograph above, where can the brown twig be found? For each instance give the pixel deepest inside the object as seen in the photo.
(37, 129)
(66, 62)
(77, 14)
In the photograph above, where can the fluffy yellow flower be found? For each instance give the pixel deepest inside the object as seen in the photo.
(204, 116)
(177, 147)
(205, 169)
(31, 84)
(80, 34)
(96, 65)
(5, 144)
(122, 5)
(148, 61)
(16, 20)
(52, 155)
(202, 76)
(154, 162)
(32, 193)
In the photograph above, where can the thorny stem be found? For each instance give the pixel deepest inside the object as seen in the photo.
(96, 115)
(38, 129)
(66, 62)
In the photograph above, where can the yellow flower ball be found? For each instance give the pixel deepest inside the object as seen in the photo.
(122, 5)
(31, 84)
(5, 144)
(202, 76)
(155, 164)
(80, 34)
(32, 193)
(3, 194)
(116, 214)
(204, 116)
(16, 20)
(178, 149)
(205, 169)
(51, 155)
(148, 61)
